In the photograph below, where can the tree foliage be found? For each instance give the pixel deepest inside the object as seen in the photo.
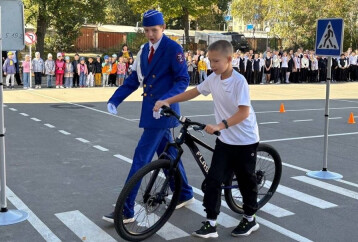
(295, 21)
(119, 12)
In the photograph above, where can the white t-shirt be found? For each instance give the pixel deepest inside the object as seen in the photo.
(228, 95)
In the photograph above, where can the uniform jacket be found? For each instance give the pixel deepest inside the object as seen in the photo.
(166, 76)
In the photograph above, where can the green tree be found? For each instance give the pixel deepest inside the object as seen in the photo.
(65, 17)
(120, 12)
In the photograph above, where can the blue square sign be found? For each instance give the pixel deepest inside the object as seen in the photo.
(329, 36)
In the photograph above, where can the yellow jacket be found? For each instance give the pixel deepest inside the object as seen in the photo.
(202, 66)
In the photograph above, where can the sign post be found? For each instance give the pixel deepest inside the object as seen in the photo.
(30, 39)
(329, 42)
(12, 40)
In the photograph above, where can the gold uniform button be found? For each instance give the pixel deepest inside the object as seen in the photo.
(151, 95)
(153, 76)
(150, 86)
(145, 85)
(145, 94)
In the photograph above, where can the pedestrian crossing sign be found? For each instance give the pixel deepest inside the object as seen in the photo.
(329, 37)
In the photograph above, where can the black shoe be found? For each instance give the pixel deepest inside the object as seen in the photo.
(110, 218)
(206, 231)
(245, 228)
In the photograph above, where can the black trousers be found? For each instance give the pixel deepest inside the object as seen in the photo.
(257, 77)
(304, 74)
(283, 74)
(249, 76)
(354, 73)
(17, 74)
(323, 75)
(76, 80)
(228, 158)
(112, 79)
(38, 77)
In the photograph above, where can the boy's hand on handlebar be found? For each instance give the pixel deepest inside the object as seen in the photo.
(210, 128)
(160, 104)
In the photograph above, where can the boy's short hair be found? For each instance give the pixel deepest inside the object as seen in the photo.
(223, 46)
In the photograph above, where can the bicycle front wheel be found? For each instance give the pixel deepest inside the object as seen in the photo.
(268, 174)
(155, 200)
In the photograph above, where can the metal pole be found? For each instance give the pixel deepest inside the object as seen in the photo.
(328, 82)
(30, 78)
(2, 137)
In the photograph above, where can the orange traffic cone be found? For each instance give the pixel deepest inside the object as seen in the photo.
(351, 119)
(282, 108)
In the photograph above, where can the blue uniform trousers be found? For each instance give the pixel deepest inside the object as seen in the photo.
(153, 140)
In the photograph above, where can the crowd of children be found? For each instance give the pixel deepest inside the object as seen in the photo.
(279, 66)
(66, 73)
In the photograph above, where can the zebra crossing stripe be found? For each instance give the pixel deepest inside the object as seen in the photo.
(13, 109)
(303, 197)
(327, 186)
(84, 228)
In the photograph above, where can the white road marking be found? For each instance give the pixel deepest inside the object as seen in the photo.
(98, 147)
(308, 137)
(303, 120)
(24, 114)
(40, 227)
(84, 228)
(36, 119)
(270, 123)
(4, 105)
(347, 182)
(13, 109)
(50, 126)
(327, 186)
(335, 118)
(82, 140)
(119, 156)
(303, 197)
(168, 231)
(82, 106)
(64, 132)
(304, 110)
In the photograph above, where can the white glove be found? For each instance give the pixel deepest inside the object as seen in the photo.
(157, 115)
(111, 108)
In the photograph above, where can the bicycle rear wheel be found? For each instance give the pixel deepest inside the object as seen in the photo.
(268, 174)
(154, 202)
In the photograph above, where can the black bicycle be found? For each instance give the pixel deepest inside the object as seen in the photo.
(160, 182)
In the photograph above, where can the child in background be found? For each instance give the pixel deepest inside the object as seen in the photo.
(121, 71)
(50, 68)
(98, 75)
(191, 66)
(106, 70)
(113, 74)
(69, 71)
(60, 70)
(76, 78)
(202, 69)
(129, 66)
(91, 72)
(82, 71)
(38, 67)
(9, 69)
(26, 66)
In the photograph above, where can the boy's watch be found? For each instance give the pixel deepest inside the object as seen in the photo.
(225, 123)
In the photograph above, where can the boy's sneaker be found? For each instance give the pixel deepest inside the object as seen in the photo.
(110, 218)
(184, 203)
(206, 231)
(245, 228)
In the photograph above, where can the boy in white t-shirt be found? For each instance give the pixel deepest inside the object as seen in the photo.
(236, 147)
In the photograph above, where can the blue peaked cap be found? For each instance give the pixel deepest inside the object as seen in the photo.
(152, 18)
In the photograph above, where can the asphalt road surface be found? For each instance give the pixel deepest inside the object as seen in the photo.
(67, 162)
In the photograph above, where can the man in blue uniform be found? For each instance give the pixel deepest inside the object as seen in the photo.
(161, 69)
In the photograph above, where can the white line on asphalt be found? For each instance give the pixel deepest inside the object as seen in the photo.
(308, 137)
(270, 123)
(13, 109)
(265, 222)
(327, 186)
(79, 105)
(64, 132)
(98, 147)
(84, 228)
(50, 126)
(24, 114)
(347, 182)
(82, 140)
(335, 118)
(303, 197)
(168, 231)
(303, 110)
(40, 227)
(4, 105)
(350, 101)
(119, 156)
(36, 119)
(303, 120)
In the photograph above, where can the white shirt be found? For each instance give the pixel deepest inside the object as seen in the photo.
(228, 95)
(155, 46)
(353, 60)
(235, 62)
(207, 61)
(284, 62)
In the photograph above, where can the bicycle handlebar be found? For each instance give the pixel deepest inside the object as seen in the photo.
(167, 111)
